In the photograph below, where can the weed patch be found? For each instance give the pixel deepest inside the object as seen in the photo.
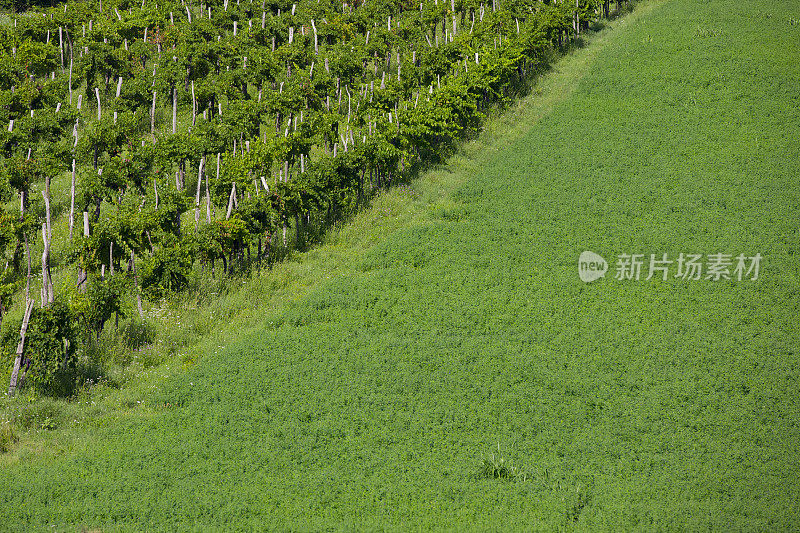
(7, 436)
(497, 465)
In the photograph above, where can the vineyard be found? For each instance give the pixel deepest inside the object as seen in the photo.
(392, 330)
(150, 143)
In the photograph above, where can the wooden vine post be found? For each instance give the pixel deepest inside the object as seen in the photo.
(47, 235)
(72, 202)
(82, 275)
(12, 386)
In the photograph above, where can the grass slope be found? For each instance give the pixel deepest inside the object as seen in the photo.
(456, 373)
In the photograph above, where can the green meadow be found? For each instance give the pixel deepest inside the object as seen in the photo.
(438, 364)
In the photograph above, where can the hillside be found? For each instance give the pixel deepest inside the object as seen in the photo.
(439, 364)
(163, 151)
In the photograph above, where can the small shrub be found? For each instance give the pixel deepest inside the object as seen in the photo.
(7, 437)
(137, 333)
(148, 356)
(50, 345)
(44, 414)
(167, 271)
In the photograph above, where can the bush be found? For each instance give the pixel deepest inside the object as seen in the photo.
(62, 348)
(43, 414)
(167, 271)
(133, 342)
(136, 333)
(7, 437)
(50, 349)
